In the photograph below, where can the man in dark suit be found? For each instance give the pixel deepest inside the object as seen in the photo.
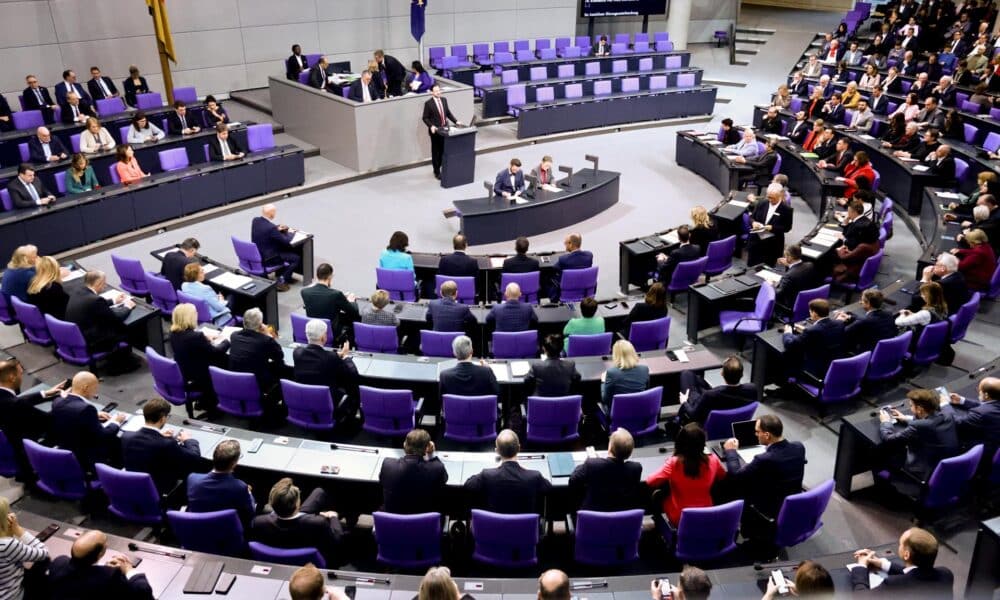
(575, 258)
(392, 71)
(36, 97)
(911, 573)
(254, 349)
(799, 275)
(798, 86)
(771, 220)
(363, 89)
(28, 191)
(317, 75)
(101, 87)
(552, 376)
(945, 272)
(223, 147)
(446, 314)
(19, 419)
(77, 426)
(154, 450)
(698, 399)
(763, 164)
(508, 488)
(512, 314)
(878, 103)
(942, 164)
(666, 265)
(602, 47)
(220, 489)
(771, 123)
(467, 378)
(857, 226)
(45, 148)
(436, 116)
(863, 333)
(295, 64)
(69, 86)
(6, 117)
(819, 344)
(315, 365)
(101, 322)
(833, 111)
(415, 483)
(274, 242)
(297, 524)
(840, 159)
(79, 576)
(978, 421)
(510, 181)
(323, 301)
(458, 263)
(800, 129)
(76, 110)
(521, 262)
(931, 115)
(928, 436)
(179, 122)
(172, 267)
(945, 91)
(611, 483)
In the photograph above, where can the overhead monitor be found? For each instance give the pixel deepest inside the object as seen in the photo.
(622, 8)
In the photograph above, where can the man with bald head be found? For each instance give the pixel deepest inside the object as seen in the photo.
(45, 148)
(307, 583)
(76, 424)
(101, 321)
(512, 314)
(274, 242)
(508, 488)
(79, 577)
(610, 483)
(575, 258)
(553, 585)
(978, 421)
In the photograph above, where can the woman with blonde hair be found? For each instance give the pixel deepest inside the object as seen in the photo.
(781, 98)
(20, 271)
(851, 96)
(46, 291)
(703, 230)
(627, 376)
(80, 177)
(195, 352)
(376, 314)
(17, 547)
(437, 584)
(95, 138)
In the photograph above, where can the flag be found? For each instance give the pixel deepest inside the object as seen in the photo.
(417, 8)
(161, 26)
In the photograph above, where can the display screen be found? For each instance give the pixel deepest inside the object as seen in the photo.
(622, 8)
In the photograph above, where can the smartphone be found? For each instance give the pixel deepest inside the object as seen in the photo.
(225, 583)
(47, 532)
(110, 406)
(942, 391)
(779, 580)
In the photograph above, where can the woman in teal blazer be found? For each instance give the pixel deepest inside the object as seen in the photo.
(80, 176)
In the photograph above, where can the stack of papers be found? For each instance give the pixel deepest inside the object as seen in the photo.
(519, 368)
(713, 142)
(500, 370)
(739, 203)
(810, 252)
(670, 238)
(225, 334)
(865, 136)
(769, 276)
(111, 295)
(232, 280)
(921, 168)
(209, 269)
(496, 262)
(946, 195)
(825, 237)
(299, 237)
(548, 187)
(74, 274)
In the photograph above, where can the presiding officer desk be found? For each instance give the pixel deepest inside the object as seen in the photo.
(702, 153)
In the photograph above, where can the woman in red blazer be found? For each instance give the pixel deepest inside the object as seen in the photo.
(858, 169)
(977, 262)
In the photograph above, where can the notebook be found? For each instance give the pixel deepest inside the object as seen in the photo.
(560, 464)
(745, 434)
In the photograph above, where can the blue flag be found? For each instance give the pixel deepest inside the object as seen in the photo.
(417, 8)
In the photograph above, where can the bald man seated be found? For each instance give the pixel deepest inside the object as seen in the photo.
(553, 585)
(308, 583)
(508, 488)
(274, 242)
(76, 425)
(978, 420)
(79, 577)
(102, 322)
(610, 483)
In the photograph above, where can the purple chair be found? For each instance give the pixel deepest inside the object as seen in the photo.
(500, 59)
(250, 260)
(466, 287)
(887, 357)
(188, 95)
(801, 515)
(481, 54)
(565, 71)
(173, 159)
(133, 496)
(398, 282)
(685, 80)
(131, 276)
(309, 406)
(461, 52)
(705, 534)
(299, 329)
(649, 335)
(545, 94)
(508, 541)
(524, 56)
(619, 66)
(622, 38)
(961, 171)
(515, 344)
(661, 36)
(481, 80)
(950, 480)
(543, 44)
(640, 47)
(993, 293)
(148, 101)
(469, 418)
(110, 106)
(995, 114)
(574, 52)
(672, 62)
(602, 88)
(720, 256)
(528, 282)
(238, 393)
(168, 381)
(435, 54)
(685, 275)
(70, 345)
(637, 412)
(292, 556)
(597, 344)
(577, 284)
(573, 90)
(619, 49)
(592, 68)
(516, 97)
(971, 107)
(630, 84)
(215, 532)
(8, 460)
(795, 105)
(970, 133)
(437, 343)
(607, 539)
(719, 423)
(6, 312)
(59, 473)
(389, 412)
(501, 47)
(554, 420)
(509, 77)
(5, 201)
(658, 82)
(800, 311)
(664, 46)
(930, 343)
(963, 317)
(842, 381)
(376, 338)
(866, 278)
(32, 322)
(583, 43)
(162, 293)
(408, 541)
(646, 64)
(304, 77)
(113, 173)
(755, 321)
(27, 119)
(260, 137)
(561, 44)
(74, 142)
(992, 141)
(548, 54)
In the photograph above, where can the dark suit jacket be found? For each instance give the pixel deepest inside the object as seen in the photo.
(826, 149)
(521, 263)
(933, 118)
(763, 164)
(683, 253)
(956, 292)
(20, 420)
(839, 160)
(85, 108)
(166, 460)
(798, 132)
(977, 422)
(20, 196)
(36, 153)
(209, 492)
(323, 302)
(292, 68)
(306, 531)
(394, 72)
(867, 331)
(315, 365)
(820, 344)
(918, 583)
(502, 182)
(721, 397)
(356, 94)
(431, 116)
(257, 353)
(469, 379)
(770, 477)
(215, 149)
(270, 240)
(551, 377)
(195, 354)
(798, 277)
(102, 326)
(31, 99)
(74, 426)
(512, 316)
(6, 112)
(174, 125)
(578, 259)
(458, 264)
(61, 93)
(833, 114)
(95, 89)
(927, 441)
(943, 168)
(412, 485)
(780, 223)
(173, 265)
(607, 484)
(69, 580)
(445, 314)
(879, 106)
(317, 77)
(508, 489)
(771, 125)
(855, 230)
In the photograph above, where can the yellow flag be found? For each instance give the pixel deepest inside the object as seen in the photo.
(158, 10)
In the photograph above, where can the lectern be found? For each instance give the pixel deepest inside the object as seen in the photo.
(458, 165)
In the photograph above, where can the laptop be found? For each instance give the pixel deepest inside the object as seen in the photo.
(745, 434)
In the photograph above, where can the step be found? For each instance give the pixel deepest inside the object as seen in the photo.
(756, 30)
(746, 51)
(746, 40)
(719, 100)
(724, 82)
(741, 63)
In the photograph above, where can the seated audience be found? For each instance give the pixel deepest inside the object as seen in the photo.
(978, 421)
(395, 255)
(214, 112)
(79, 576)
(100, 86)
(21, 269)
(553, 375)
(543, 172)
(798, 276)
(76, 425)
(858, 175)
(76, 110)
(698, 399)
(45, 148)
(840, 159)
(308, 583)
(134, 85)
(977, 262)
(142, 130)
(910, 573)
(446, 314)
(293, 523)
(295, 64)
(508, 488)
(174, 263)
(945, 272)
(746, 147)
(194, 352)
(363, 89)
(315, 365)
(19, 417)
(422, 80)
(179, 122)
(46, 291)
(510, 181)
(220, 489)
(512, 314)
(437, 584)
(553, 585)
(166, 456)
(458, 263)
(811, 580)
(847, 268)
(819, 344)
(689, 474)
(467, 378)
(194, 285)
(729, 135)
(127, 166)
(6, 116)
(575, 258)
(376, 313)
(95, 138)
(610, 483)
(323, 301)
(703, 230)
(80, 177)
(865, 332)
(37, 97)
(318, 74)
(17, 547)
(692, 584)
(274, 242)
(102, 322)
(28, 191)
(521, 262)
(685, 252)
(987, 184)
(223, 147)
(415, 483)
(588, 323)
(255, 349)
(933, 309)
(653, 306)
(627, 376)
(928, 435)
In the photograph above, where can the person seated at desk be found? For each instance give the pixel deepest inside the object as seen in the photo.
(467, 378)
(21, 269)
(134, 85)
(102, 322)
(95, 138)
(508, 488)
(692, 584)
(910, 573)
(575, 258)
(521, 262)
(858, 175)
(176, 261)
(36, 97)
(980, 95)
(931, 115)
(826, 146)
(851, 96)
(840, 159)
(179, 122)
(458, 263)
(422, 81)
(323, 301)
(602, 47)
(45, 290)
(315, 365)
(945, 91)
(6, 116)
(293, 523)
(80, 177)
(857, 221)
(879, 103)
(70, 86)
(76, 110)
(978, 421)
(728, 134)
(610, 483)
(274, 242)
(798, 275)
(800, 128)
(863, 118)
(895, 130)
(194, 285)
(510, 181)
(747, 146)
(813, 67)
(76, 425)
(142, 131)
(781, 99)
(763, 165)
(156, 451)
(255, 349)
(909, 108)
(703, 230)
(771, 123)
(928, 145)
(977, 262)
(929, 436)
(446, 313)
(850, 260)
(553, 375)
(773, 218)
(813, 108)
(127, 166)
(101, 87)
(20, 419)
(698, 399)
(543, 172)
(928, 307)
(363, 89)
(214, 112)
(220, 489)
(626, 376)
(512, 314)
(43, 148)
(798, 86)
(415, 483)
(863, 333)
(870, 79)
(28, 191)
(652, 307)
(376, 313)
(988, 184)
(686, 251)
(18, 550)
(921, 87)
(79, 572)
(819, 344)
(194, 352)
(224, 147)
(308, 583)
(296, 63)
(942, 163)
(833, 111)
(689, 474)
(395, 256)
(588, 323)
(945, 272)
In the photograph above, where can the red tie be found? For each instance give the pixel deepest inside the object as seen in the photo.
(441, 112)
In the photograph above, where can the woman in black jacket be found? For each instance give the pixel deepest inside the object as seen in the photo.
(195, 352)
(45, 290)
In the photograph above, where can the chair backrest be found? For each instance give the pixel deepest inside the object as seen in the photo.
(661, 36)
(110, 106)
(435, 54)
(630, 84)
(800, 311)
(8, 460)
(74, 142)
(930, 343)
(649, 335)
(555, 419)
(843, 378)
(672, 62)
(992, 141)
(59, 473)
(640, 47)
(602, 88)
(869, 270)
(398, 282)
(215, 532)
(437, 343)
(545, 94)
(515, 344)
(505, 540)
(719, 423)
(763, 305)
(887, 357)
(970, 131)
(376, 338)
(562, 42)
(658, 82)
(238, 393)
(168, 381)
(309, 406)
(619, 49)
(596, 344)
(291, 556)
(607, 538)
(387, 412)
(528, 282)
(686, 274)
(249, 257)
(460, 50)
(466, 287)
(260, 137)
(577, 284)
(565, 71)
(801, 515)
(470, 418)
(638, 412)
(188, 95)
(508, 77)
(963, 317)
(132, 496)
(299, 322)
(622, 38)
(708, 533)
(720, 255)
(664, 46)
(27, 119)
(70, 345)
(573, 90)
(131, 276)
(113, 173)
(32, 322)
(501, 47)
(548, 54)
(961, 170)
(543, 43)
(501, 58)
(951, 478)
(5, 202)
(480, 51)
(148, 101)
(408, 541)
(517, 95)
(162, 292)
(524, 55)
(685, 80)
(200, 306)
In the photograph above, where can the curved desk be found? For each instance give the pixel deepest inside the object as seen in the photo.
(702, 153)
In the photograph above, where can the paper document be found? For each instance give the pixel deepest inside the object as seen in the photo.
(519, 200)
(681, 356)
(875, 578)
(811, 253)
(548, 187)
(519, 368)
(739, 203)
(74, 274)
(110, 295)
(921, 168)
(232, 280)
(865, 136)
(225, 334)
(769, 275)
(209, 269)
(670, 238)
(947, 195)
(496, 262)
(299, 237)
(904, 159)
(500, 370)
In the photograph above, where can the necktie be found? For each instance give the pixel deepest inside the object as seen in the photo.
(38, 93)
(33, 192)
(225, 148)
(104, 87)
(76, 112)
(440, 111)
(184, 124)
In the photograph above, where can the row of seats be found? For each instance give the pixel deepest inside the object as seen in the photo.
(27, 120)
(458, 55)
(517, 94)
(512, 76)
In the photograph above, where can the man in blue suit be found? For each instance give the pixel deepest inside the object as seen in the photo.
(978, 421)
(928, 436)
(68, 85)
(574, 259)
(876, 325)
(275, 245)
(154, 450)
(458, 263)
(446, 314)
(220, 489)
(512, 314)
(77, 426)
(819, 344)
(45, 147)
(510, 181)
(911, 573)
(467, 378)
